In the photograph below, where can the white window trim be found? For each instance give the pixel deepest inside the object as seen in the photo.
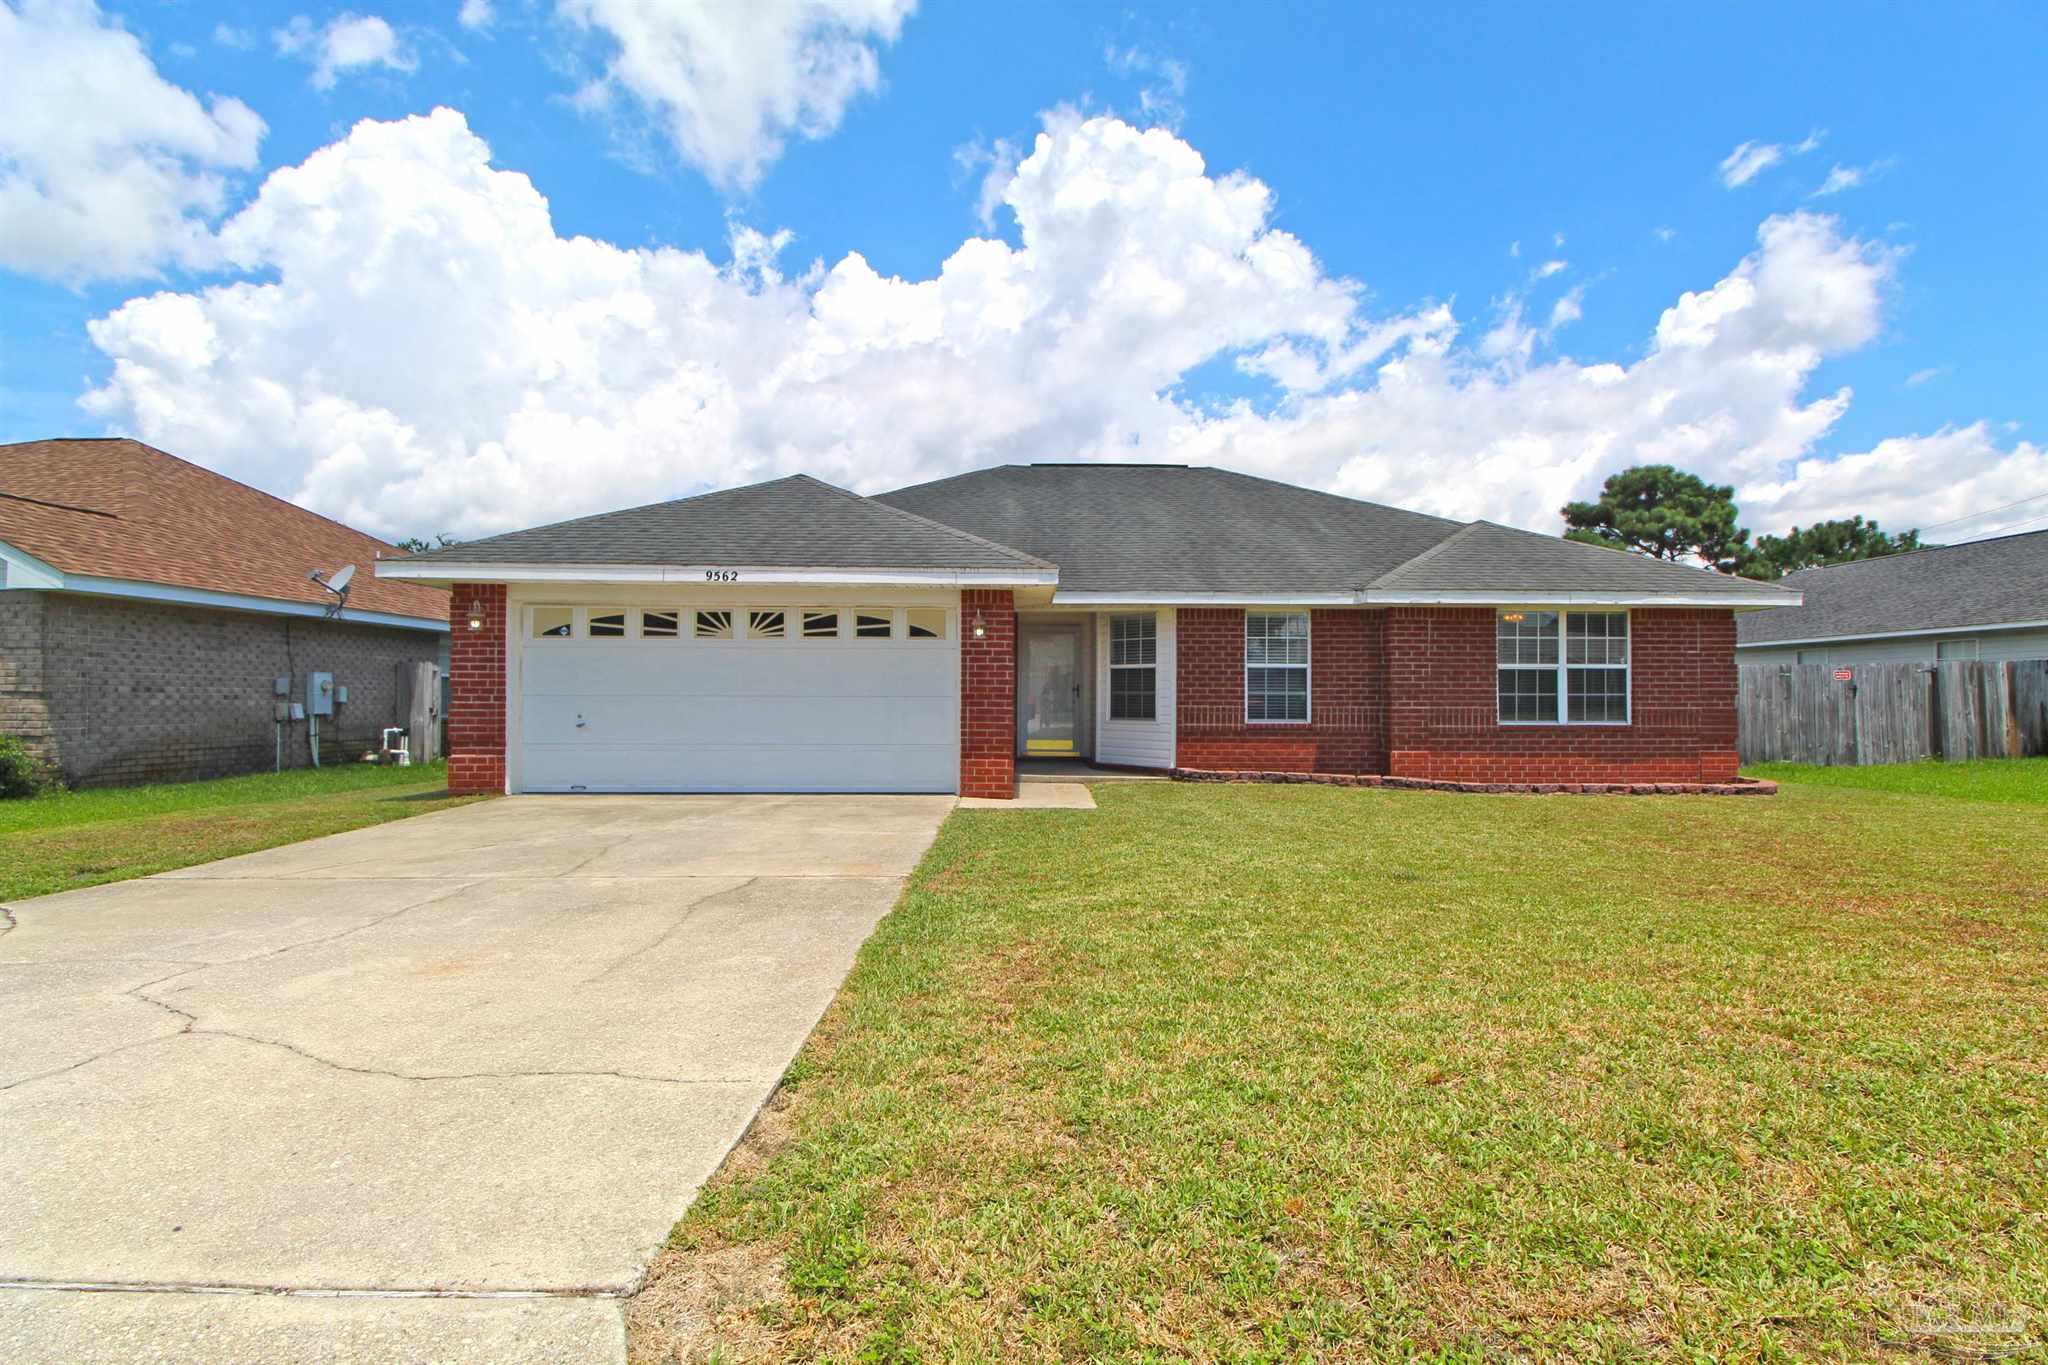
(1308, 676)
(1564, 700)
(1109, 653)
(742, 625)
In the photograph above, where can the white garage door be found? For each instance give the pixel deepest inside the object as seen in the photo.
(771, 697)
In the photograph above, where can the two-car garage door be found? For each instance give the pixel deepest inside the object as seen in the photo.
(753, 697)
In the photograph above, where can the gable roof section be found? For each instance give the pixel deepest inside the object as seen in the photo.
(116, 509)
(1981, 583)
(1167, 529)
(1493, 562)
(792, 523)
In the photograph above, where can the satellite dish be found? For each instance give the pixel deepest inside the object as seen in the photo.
(340, 580)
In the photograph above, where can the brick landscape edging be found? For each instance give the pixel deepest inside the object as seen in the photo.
(1739, 787)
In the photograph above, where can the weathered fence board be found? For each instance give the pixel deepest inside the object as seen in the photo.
(1891, 713)
(419, 691)
(2030, 704)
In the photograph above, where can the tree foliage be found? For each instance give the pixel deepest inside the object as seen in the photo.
(1826, 542)
(413, 545)
(1656, 510)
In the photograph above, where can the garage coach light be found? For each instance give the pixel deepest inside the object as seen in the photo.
(980, 627)
(476, 614)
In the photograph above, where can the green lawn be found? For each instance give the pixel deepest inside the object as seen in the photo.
(1287, 1073)
(2023, 780)
(73, 839)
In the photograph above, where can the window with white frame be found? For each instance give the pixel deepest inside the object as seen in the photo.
(1954, 651)
(606, 624)
(1134, 667)
(1578, 658)
(658, 625)
(1276, 666)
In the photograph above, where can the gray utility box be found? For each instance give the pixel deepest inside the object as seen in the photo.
(320, 694)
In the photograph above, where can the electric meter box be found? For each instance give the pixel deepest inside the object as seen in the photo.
(320, 694)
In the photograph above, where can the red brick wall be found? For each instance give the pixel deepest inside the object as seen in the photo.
(1443, 720)
(1346, 731)
(988, 694)
(476, 690)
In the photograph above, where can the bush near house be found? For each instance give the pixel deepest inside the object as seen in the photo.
(21, 772)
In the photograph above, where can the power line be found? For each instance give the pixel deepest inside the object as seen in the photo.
(1957, 521)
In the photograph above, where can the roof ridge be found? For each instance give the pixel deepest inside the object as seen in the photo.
(1326, 493)
(1921, 550)
(230, 479)
(1618, 549)
(1453, 538)
(927, 521)
(60, 506)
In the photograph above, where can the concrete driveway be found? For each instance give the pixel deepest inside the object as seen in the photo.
(431, 1091)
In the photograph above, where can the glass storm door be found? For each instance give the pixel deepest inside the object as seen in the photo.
(1049, 689)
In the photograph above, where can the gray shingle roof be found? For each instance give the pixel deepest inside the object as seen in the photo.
(1170, 528)
(797, 522)
(1986, 582)
(1485, 557)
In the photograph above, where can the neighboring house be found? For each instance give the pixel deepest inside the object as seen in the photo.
(791, 636)
(1985, 600)
(148, 606)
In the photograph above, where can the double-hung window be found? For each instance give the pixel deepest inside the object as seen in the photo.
(1276, 666)
(1134, 667)
(1562, 667)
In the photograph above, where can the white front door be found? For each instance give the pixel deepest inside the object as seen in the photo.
(774, 697)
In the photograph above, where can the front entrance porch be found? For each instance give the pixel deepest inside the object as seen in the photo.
(1096, 687)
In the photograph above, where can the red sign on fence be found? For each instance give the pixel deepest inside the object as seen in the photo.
(1843, 674)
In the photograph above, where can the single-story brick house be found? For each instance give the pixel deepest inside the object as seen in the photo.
(792, 636)
(148, 608)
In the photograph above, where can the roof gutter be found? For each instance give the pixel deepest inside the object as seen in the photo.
(24, 570)
(1735, 600)
(1895, 634)
(1369, 597)
(445, 572)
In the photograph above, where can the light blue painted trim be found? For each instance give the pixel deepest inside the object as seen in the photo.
(24, 570)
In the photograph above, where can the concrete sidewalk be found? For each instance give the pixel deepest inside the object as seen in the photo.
(490, 1052)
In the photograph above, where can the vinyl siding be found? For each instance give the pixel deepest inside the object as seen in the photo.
(1992, 646)
(1136, 743)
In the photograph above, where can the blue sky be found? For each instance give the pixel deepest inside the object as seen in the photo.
(1877, 356)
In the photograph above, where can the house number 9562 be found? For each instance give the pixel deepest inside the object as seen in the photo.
(721, 575)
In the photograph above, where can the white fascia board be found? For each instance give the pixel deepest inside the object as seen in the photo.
(1897, 634)
(1576, 599)
(1204, 599)
(235, 601)
(447, 571)
(24, 570)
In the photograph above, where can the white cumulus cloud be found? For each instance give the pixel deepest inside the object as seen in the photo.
(731, 83)
(476, 14)
(107, 170)
(347, 42)
(417, 348)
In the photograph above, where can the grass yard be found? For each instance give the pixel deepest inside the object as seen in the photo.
(1280, 1073)
(2022, 780)
(74, 839)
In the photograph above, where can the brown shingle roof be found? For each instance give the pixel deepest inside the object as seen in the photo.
(117, 508)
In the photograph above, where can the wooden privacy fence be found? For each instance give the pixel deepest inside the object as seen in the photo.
(419, 701)
(1891, 713)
